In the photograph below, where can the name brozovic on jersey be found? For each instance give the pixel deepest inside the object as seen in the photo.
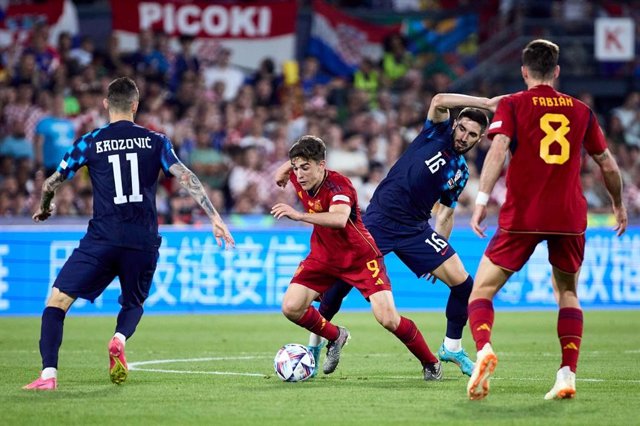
(124, 161)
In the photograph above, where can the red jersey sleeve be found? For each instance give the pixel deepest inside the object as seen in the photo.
(594, 140)
(504, 119)
(341, 197)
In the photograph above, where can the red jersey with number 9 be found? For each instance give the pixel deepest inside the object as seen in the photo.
(342, 248)
(548, 130)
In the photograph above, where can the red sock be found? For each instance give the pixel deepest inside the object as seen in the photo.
(570, 322)
(481, 321)
(316, 323)
(409, 334)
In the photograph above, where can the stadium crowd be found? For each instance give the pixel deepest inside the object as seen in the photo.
(233, 128)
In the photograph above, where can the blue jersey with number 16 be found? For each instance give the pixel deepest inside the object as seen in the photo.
(124, 161)
(428, 171)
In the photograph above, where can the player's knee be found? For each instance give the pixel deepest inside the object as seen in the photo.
(388, 318)
(292, 310)
(60, 300)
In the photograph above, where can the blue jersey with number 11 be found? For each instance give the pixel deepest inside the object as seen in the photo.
(124, 161)
(428, 171)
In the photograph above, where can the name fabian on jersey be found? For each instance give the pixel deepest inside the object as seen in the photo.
(118, 144)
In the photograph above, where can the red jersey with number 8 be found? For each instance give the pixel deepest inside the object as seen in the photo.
(548, 130)
(343, 248)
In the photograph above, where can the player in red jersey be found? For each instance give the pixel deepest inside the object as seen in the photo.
(341, 249)
(546, 131)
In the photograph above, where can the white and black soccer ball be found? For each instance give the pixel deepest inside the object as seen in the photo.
(294, 363)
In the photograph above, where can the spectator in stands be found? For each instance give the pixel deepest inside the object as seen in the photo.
(629, 116)
(311, 75)
(222, 70)
(367, 78)
(184, 61)
(396, 61)
(83, 54)
(249, 181)
(23, 108)
(55, 134)
(16, 145)
(207, 162)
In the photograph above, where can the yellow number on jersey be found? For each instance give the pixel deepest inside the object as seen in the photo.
(372, 265)
(554, 136)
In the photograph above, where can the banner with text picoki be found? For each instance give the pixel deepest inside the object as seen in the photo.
(195, 275)
(252, 30)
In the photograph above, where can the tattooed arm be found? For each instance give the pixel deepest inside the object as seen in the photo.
(48, 191)
(191, 183)
(613, 183)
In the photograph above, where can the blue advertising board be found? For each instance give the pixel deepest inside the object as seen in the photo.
(195, 275)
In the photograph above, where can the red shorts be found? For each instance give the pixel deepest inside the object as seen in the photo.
(511, 250)
(369, 277)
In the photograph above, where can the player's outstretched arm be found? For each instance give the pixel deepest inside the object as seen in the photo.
(48, 191)
(491, 169)
(281, 177)
(442, 102)
(613, 183)
(191, 183)
(336, 217)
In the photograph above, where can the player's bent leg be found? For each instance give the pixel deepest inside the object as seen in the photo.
(118, 369)
(406, 331)
(296, 300)
(384, 309)
(51, 329)
(486, 362)
(565, 386)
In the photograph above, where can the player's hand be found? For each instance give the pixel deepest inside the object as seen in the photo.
(281, 210)
(43, 214)
(621, 219)
(221, 232)
(479, 215)
(282, 179)
(430, 278)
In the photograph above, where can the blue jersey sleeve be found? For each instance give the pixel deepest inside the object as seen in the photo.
(433, 131)
(76, 157)
(450, 197)
(168, 156)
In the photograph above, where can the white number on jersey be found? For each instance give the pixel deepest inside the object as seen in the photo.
(135, 196)
(435, 162)
(436, 242)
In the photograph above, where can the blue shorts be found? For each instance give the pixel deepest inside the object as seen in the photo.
(92, 266)
(419, 247)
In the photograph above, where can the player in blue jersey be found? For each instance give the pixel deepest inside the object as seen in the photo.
(432, 171)
(122, 238)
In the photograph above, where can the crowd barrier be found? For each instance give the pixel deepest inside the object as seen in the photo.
(195, 275)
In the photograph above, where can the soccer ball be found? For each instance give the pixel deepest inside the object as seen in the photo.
(294, 363)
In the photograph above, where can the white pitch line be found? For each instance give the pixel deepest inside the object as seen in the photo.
(215, 373)
(136, 366)
(170, 361)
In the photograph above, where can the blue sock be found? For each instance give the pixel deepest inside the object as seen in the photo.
(51, 335)
(128, 320)
(457, 308)
(331, 300)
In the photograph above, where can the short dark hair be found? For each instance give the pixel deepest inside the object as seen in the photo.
(308, 147)
(122, 93)
(541, 57)
(475, 114)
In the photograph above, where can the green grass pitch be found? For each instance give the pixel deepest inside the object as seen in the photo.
(222, 374)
